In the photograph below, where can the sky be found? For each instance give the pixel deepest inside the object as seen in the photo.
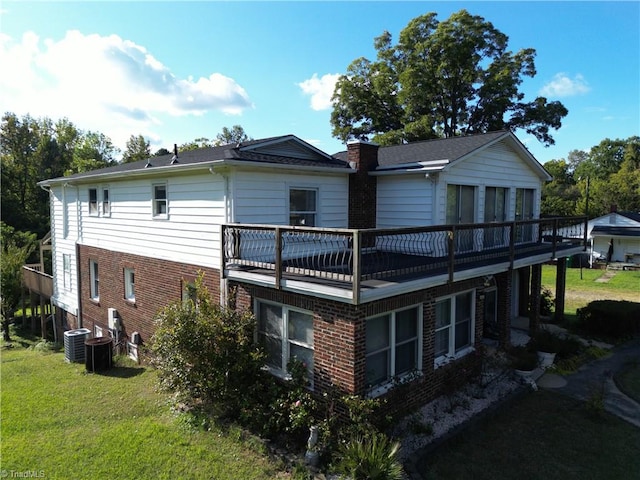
(175, 71)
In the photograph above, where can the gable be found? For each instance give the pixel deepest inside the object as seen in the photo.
(288, 146)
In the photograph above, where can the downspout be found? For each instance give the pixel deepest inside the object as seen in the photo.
(228, 214)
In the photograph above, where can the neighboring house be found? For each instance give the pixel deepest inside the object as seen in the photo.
(373, 265)
(619, 230)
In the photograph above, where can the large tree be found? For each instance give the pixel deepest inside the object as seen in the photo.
(442, 79)
(235, 134)
(137, 148)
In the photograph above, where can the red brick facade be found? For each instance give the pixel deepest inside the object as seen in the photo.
(339, 339)
(157, 283)
(362, 186)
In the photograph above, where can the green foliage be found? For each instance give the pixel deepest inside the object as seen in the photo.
(15, 250)
(455, 77)
(235, 134)
(371, 457)
(546, 302)
(545, 341)
(137, 148)
(206, 355)
(616, 319)
(205, 351)
(522, 358)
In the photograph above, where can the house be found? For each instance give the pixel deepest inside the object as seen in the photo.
(618, 230)
(374, 265)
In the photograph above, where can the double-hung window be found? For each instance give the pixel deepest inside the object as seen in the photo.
(454, 326)
(129, 284)
(106, 205)
(286, 334)
(303, 206)
(66, 268)
(93, 201)
(94, 280)
(393, 346)
(160, 206)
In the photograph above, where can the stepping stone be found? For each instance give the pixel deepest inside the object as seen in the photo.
(551, 380)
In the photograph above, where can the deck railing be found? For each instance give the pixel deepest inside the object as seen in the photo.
(37, 281)
(354, 256)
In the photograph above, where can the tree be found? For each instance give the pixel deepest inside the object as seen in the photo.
(93, 151)
(234, 135)
(137, 148)
(161, 151)
(16, 249)
(560, 195)
(442, 79)
(197, 143)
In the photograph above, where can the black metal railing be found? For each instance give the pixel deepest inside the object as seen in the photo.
(354, 256)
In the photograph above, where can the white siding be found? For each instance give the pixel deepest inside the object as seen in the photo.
(262, 197)
(189, 234)
(496, 166)
(404, 201)
(64, 208)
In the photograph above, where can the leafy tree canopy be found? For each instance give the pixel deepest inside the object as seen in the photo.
(137, 148)
(442, 79)
(235, 134)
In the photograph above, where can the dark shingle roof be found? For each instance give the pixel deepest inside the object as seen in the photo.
(635, 216)
(450, 149)
(616, 230)
(302, 154)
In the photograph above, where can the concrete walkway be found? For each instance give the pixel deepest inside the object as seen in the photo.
(597, 376)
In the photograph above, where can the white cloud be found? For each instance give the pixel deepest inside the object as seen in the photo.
(564, 86)
(320, 90)
(105, 83)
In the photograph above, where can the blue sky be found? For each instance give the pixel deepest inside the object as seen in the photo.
(176, 71)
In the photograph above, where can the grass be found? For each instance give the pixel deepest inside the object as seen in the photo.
(541, 436)
(64, 423)
(628, 380)
(623, 285)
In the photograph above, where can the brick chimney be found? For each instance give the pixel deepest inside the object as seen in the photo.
(613, 209)
(363, 157)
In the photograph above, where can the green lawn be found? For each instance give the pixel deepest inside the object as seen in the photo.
(542, 436)
(623, 285)
(64, 423)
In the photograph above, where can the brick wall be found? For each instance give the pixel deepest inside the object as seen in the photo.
(339, 339)
(157, 283)
(362, 186)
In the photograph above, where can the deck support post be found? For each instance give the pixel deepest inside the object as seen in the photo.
(561, 284)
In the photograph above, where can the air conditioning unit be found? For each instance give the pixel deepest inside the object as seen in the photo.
(114, 320)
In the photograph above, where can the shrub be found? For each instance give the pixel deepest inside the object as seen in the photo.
(521, 358)
(545, 341)
(616, 319)
(370, 458)
(206, 352)
(546, 302)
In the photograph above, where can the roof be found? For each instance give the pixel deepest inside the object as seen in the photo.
(635, 216)
(438, 154)
(615, 231)
(286, 151)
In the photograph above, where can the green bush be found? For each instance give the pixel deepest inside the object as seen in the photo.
(370, 458)
(206, 355)
(615, 319)
(546, 302)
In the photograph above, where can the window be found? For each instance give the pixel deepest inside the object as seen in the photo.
(93, 201)
(524, 211)
(66, 268)
(454, 326)
(129, 284)
(160, 200)
(286, 334)
(95, 280)
(392, 345)
(106, 206)
(302, 207)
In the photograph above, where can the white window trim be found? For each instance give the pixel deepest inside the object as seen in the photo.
(449, 357)
(314, 188)
(94, 293)
(105, 188)
(154, 215)
(384, 387)
(129, 286)
(282, 372)
(96, 212)
(66, 271)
